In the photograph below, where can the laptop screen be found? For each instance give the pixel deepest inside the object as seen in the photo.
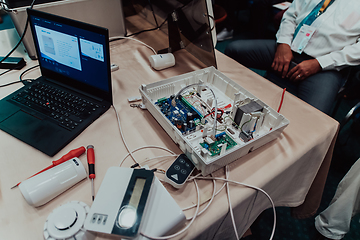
(73, 52)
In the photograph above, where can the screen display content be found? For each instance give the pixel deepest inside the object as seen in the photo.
(72, 52)
(136, 194)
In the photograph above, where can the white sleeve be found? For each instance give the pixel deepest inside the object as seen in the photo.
(348, 56)
(288, 23)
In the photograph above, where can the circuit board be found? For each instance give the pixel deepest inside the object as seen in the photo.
(183, 115)
(215, 147)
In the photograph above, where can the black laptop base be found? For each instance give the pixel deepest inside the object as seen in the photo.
(47, 131)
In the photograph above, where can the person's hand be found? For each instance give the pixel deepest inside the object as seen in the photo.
(282, 59)
(304, 70)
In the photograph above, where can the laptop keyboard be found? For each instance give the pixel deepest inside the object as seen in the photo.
(67, 109)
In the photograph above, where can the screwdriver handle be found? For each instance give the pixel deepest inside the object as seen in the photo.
(73, 153)
(91, 161)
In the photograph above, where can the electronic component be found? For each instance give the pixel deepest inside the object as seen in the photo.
(161, 215)
(120, 211)
(48, 184)
(245, 136)
(248, 108)
(134, 99)
(162, 61)
(215, 147)
(185, 106)
(67, 221)
(114, 67)
(179, 171)
(182, 115)
(12, 63)
(73, 153)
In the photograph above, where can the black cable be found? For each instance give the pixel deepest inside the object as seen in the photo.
(212, 19)
(23, 73)
(135, 165)
(6, 71)
(22, 36)
(8, 84)
(146, 30)
(153, 12)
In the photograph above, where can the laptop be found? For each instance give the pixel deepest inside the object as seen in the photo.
(74, 88)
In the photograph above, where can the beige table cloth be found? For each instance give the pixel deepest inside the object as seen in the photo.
(292, 168)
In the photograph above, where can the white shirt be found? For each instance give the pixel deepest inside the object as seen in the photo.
(335, 44)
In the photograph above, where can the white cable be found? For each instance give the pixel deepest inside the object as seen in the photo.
(199, 84)
(229, 200)
(126, 146)
(145, 147)
(163, 156)
(114, 38)
(187, 226)
(193, 177)
(194, 205)
(211, 199)
(122, 136)
(253, 187)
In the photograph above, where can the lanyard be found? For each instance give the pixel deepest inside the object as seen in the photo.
(324, 6)
(316, 12)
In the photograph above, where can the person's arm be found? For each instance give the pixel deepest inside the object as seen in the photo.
(283, 55)
(288, 23)
(304, 69)
(348, 56)
(282, 59)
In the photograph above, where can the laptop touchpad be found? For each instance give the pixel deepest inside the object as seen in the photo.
(26, 125)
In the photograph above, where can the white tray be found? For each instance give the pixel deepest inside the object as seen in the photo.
(266, 126)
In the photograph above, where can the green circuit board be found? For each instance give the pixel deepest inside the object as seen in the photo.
(215, 147)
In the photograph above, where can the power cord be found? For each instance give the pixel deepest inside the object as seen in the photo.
(227, 173)
(253, 187)
(24, 81)
(120, 37)
(147, 30)
(210, 201)
(197, 205)
(153, 147)
(22, 36)
(122, 135)
(130, 153)
(6, 72)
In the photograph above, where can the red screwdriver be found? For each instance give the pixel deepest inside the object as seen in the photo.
(73, 153)
(91, 163)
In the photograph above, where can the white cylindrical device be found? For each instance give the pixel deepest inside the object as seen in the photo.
(45, 186)
(161, 61)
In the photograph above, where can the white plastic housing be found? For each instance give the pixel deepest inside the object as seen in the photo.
(270, 124)
(162, 61)
(45, 186)
(67, 222)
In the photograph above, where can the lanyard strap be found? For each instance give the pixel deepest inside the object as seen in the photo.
(325, 5)
(310, 18)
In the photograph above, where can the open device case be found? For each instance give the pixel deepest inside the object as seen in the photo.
(185, 106)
